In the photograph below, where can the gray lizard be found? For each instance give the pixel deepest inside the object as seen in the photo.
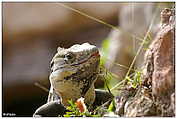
(73, 73)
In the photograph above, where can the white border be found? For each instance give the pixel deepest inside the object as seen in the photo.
(82, 1)
(88, 1)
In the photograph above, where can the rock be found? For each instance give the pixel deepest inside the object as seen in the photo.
(140, 105)
(159, 60)
(124, 95)
(156, 95)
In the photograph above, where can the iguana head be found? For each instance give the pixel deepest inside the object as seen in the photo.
(74, 57)
(74, 70)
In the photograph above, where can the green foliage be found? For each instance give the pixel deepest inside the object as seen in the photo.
(104, 51)
(110, 79)
(112, 107)
(74, 111)
(107, 75)
(136, 80)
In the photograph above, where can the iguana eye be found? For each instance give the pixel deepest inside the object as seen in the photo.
(69, 57)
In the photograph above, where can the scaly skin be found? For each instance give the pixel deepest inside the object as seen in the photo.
(74, 71)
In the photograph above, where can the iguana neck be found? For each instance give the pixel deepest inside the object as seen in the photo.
(68, 95)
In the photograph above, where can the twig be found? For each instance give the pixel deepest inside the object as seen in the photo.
(41, 86)
(98, 20)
